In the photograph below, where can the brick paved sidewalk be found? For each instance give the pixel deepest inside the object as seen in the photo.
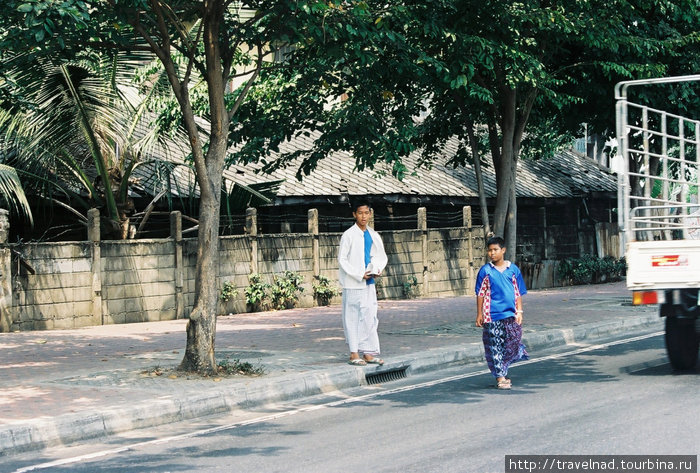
(48, 375)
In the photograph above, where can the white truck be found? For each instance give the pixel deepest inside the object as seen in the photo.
(659, 213)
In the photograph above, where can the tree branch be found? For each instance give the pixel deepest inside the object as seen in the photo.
(523, 118)
(249, 83)
(491, 123)
(180, 88)
(192, 54)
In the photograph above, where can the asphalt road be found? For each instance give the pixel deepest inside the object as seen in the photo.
(619, 397)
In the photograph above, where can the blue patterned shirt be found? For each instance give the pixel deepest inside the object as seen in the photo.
(499, 290)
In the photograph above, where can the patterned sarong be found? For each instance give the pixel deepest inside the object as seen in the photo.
(502, 345)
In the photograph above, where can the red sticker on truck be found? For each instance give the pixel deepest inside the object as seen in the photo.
(669, 260)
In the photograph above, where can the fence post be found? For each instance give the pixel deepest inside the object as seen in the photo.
(4, 226)
(251, 228)
(467, 222)
(96, 264)
(579, 233)
(176, 235)
(423, 227)
(315, 251)
(5, 273)
(545, 236)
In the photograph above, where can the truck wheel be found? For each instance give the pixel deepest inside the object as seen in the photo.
(681, 343)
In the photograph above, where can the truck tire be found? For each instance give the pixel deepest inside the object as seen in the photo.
(681, 343)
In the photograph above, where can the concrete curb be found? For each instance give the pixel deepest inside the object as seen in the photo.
(588, 332)
(66, 429)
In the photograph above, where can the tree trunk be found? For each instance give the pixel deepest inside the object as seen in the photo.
(521, 118)
(201, 328)
(505, 179)
(512, 217)
(479, 178)
(598, 145)
(474, 145)
(504, 183)
(513, 122)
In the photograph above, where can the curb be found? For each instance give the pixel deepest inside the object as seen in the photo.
(66, 429)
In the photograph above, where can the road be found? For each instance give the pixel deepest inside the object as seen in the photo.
(618, 397)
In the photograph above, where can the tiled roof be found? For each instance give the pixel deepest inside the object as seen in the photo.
(567, 174)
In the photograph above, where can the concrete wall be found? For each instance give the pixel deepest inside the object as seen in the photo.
(138, 281)
(76, 284)
(59, 292)
(442, 261)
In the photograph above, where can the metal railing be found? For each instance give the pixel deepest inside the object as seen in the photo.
(659, 173)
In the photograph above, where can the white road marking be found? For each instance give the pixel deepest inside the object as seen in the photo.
(349, 400)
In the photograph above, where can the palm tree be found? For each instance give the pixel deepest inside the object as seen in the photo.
(77, 139)
(82, 132)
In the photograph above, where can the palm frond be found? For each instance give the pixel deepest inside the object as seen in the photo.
(12, 193)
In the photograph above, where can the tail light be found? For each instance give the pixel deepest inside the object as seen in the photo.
(647, 297)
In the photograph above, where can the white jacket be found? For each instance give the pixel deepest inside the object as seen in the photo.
(351, 257)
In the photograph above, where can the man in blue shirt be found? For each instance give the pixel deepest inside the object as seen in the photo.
(499, 310)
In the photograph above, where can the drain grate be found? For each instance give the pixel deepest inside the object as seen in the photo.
(386, 376)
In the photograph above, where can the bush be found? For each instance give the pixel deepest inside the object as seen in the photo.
(410, 287)
(228, 291)
(589, 269)
(256, 293)
(285, 290)
(324, 291)
(611, 269)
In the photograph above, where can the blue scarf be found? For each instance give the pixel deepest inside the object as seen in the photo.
(368, 248)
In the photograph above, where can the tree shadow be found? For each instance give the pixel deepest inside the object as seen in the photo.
(227, 443)
(527, 379)
(662, 368)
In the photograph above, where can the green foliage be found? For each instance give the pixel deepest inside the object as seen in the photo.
(35, 34)
(76, 120)
(285, 289)
(43, 28)
(228, 291)
(579, 270)
(12, 193)
(410, 287)
(256, 294)
(324, 290)
(282, 294)
(522, 76)
(589, 269)
(236, 366)
(358, 53)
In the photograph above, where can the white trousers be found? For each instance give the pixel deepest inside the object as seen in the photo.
(360, 320)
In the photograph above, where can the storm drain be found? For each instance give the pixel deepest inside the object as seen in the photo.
(386, 376)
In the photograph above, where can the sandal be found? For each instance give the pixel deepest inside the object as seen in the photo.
(357, 362)
(505, 384)
(375, 361)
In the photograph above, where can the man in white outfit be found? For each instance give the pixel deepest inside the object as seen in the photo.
(361, 258)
